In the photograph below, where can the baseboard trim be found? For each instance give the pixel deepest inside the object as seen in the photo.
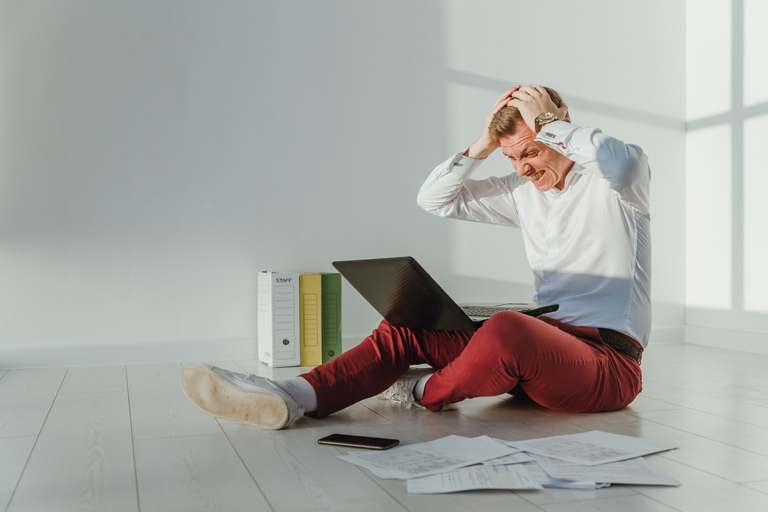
(670, 334)
(728, 338)
(52, 356)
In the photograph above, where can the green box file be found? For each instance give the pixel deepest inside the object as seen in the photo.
(331, 312)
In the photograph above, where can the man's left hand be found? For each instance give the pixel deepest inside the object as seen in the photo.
(533, 100)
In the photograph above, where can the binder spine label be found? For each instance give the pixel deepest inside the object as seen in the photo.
(278, 318)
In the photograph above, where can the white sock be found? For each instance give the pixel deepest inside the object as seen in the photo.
(418, 390)
(300, 390)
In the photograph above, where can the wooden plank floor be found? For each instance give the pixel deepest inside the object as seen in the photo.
(125, 438)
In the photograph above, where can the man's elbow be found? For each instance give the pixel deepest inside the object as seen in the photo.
(426, 202)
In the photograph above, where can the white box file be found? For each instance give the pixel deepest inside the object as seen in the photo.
(278, 319)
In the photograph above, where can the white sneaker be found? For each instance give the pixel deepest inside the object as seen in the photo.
(401, 392)
(239, 397)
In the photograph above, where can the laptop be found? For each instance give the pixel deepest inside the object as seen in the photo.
(407, 296)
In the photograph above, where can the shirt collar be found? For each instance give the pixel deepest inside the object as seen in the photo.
(576, 169)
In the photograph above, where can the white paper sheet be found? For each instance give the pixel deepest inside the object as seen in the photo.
(545, 480)
(634, 471)
(592, 448)
(429, 458)
(474, 478)
(515, 458)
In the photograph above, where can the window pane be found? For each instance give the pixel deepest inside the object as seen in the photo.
(708, 218)
(708, 58)
(755, 51)
(755, 215)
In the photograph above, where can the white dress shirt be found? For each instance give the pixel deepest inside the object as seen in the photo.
(589, 244)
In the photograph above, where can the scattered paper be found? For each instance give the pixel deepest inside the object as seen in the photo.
(429, 458)
(634, 472)
(474, 478)
(591, 448)
(545, 480)
(590, 460)
(514, 458)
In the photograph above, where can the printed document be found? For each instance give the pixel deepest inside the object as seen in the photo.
(473, 478)
(429, 458)
(544, 479)
(515, 458)
(633, 472)
(591, 448)
(590, 460)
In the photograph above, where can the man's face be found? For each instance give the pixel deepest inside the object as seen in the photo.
(545, 167)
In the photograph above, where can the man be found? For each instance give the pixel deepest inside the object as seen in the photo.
(580, 199)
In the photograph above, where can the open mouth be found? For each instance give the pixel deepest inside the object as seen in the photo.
(537, 176)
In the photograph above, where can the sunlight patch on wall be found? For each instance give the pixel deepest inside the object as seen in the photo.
(708, 62)
(755, 51)
(755, 215)
(709, 218)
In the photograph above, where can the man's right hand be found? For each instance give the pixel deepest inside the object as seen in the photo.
(484, 146)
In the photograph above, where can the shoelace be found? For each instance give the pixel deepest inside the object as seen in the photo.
(400, 392)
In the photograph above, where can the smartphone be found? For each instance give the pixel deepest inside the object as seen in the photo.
(372, 443)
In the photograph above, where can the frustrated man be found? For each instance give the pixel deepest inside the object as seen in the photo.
(580, 199)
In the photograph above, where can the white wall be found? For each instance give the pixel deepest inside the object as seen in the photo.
(727, 114)
(155, 155)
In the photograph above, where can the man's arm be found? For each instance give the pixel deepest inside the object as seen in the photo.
(449, 191)
(623, 166)
(485, 145)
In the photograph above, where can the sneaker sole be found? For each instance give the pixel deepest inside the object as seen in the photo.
(217, 397)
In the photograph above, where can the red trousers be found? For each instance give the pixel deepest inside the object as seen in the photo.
(557, 365)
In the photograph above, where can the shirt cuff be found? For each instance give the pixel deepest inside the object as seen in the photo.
(463, 166)
(572, 141)
(555, 133)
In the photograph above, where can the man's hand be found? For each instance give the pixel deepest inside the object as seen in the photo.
(485, 145)
(533, 100)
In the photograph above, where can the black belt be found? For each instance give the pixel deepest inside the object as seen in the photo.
(621, 344)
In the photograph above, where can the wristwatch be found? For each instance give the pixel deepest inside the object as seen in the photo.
(544, 118)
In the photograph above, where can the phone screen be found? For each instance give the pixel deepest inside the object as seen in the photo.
(372, 443)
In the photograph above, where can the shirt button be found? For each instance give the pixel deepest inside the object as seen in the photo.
(551, 253)
(549, 225)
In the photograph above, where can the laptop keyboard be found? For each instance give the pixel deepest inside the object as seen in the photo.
(482, 310)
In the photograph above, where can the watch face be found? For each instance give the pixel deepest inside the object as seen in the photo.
(544, 118)
(547, 116)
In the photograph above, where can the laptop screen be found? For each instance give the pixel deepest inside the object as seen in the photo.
(404, 293)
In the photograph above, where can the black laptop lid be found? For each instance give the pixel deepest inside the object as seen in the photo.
(405, 294)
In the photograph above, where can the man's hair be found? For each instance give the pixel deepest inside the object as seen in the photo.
(505, 121)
